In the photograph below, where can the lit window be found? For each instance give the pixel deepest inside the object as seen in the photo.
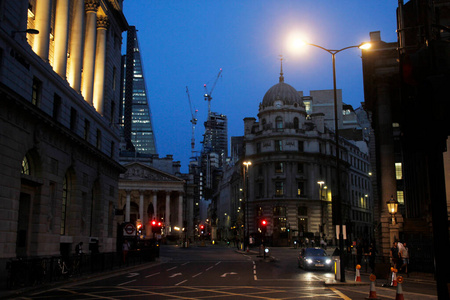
(279, 167)
(398, 171)
(279, 188)
(25, 166)
(400, 197)
(279, 123)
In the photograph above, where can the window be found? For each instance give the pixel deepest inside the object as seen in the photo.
(278, 145)
(260, 189)
(400, 197)
(113, 112)
(303, 211)
(56, 106)
(398, 171)
(99, 139)
(279, 211)
(307, 107)
(279, 188)
(279, 123)
(279, 167)
(25, 166)
(296, 123)
(300, 168)
(64, 204)
(258, 147)
(300, 188)
(113, 145)
(36, 92)
(73, 119)
(87, 127)
(300, 146)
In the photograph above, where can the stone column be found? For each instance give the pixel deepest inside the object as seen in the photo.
(42, 40)
(155, 205)
(76, 45)
(89, 50)
(100, 61)
(141, 205)
(61, 37)
(127, 206)
(180, 211)
(167, 216)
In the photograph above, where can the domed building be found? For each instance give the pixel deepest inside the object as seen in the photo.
(292, 175)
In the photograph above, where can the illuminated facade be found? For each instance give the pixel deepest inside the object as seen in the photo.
(59, 91)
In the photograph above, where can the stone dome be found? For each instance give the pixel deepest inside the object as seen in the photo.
(282, 91)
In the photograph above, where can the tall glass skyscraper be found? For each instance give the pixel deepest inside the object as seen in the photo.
(137, 129)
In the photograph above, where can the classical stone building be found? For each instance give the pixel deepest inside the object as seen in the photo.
(59, 93)
(292, 177)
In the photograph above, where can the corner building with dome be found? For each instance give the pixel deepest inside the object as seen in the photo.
(292, 177)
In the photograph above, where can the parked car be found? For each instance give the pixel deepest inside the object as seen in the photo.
(314, 258)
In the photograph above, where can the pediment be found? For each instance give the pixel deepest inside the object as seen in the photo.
(139, 171)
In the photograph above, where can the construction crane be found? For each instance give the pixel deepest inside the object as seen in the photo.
(208, 94)
(193, 121)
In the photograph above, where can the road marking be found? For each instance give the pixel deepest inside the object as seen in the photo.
(217, 263)
(132, 275)
(152, 275)
(340, 294)
(255, 277)
(175, 275)
(181, 282)
(123, 283)
(172, 268)
(197, 274)
(185, 263)
(225, 274)
(209, 268)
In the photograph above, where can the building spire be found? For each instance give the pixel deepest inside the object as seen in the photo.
(281, 71)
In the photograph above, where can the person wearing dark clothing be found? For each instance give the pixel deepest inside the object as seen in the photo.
(372, 255)
(394, 255)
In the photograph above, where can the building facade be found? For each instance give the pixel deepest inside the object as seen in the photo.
(292, 177)
(59, 93)
(137, 127)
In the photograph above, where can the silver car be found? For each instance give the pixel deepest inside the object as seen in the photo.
(314, 258)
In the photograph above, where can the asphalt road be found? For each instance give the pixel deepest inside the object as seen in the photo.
(217, 272)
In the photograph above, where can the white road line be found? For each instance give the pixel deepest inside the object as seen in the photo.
(181, 282)
(185, 263)
(255, 277)
(197, 274)
(123, 283)
(172, 268)
(209, 268)
(217, 263)
(152, 275)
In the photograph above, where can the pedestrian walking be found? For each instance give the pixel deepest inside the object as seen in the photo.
(394, 255)
(372, 256)
(404, 253)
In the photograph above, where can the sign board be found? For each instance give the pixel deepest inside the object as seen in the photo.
(129, 230)
(344, 233)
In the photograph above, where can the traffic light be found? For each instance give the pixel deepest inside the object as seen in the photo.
(156, 226)
(138, 227)
(263, 225)
(202, 228)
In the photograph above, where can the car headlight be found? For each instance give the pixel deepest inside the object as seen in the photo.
(309, 260)
(328, 261)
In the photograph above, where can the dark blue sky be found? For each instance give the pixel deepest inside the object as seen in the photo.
(186, 42)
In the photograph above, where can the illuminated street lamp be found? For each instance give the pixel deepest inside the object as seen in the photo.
(246, 164)
(392, 205)
(363, 46)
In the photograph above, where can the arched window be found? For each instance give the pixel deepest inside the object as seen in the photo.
(25, 166)
(65, 197)
(295, 123)
(279, 122)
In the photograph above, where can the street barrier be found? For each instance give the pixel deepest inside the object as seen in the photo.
(358, 274)
(399, 294)
(372, 292)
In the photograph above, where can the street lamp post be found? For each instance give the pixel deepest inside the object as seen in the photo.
(337, 196)
(246, 164)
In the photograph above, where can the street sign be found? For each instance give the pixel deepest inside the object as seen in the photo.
(129, 230)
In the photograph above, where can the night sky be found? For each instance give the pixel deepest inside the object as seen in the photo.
(186, 42)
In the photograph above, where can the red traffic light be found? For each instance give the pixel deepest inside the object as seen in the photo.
(153, 223)
(264, 222)
(202, 226)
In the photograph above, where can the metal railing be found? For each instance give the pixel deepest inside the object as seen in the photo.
(26, 272)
